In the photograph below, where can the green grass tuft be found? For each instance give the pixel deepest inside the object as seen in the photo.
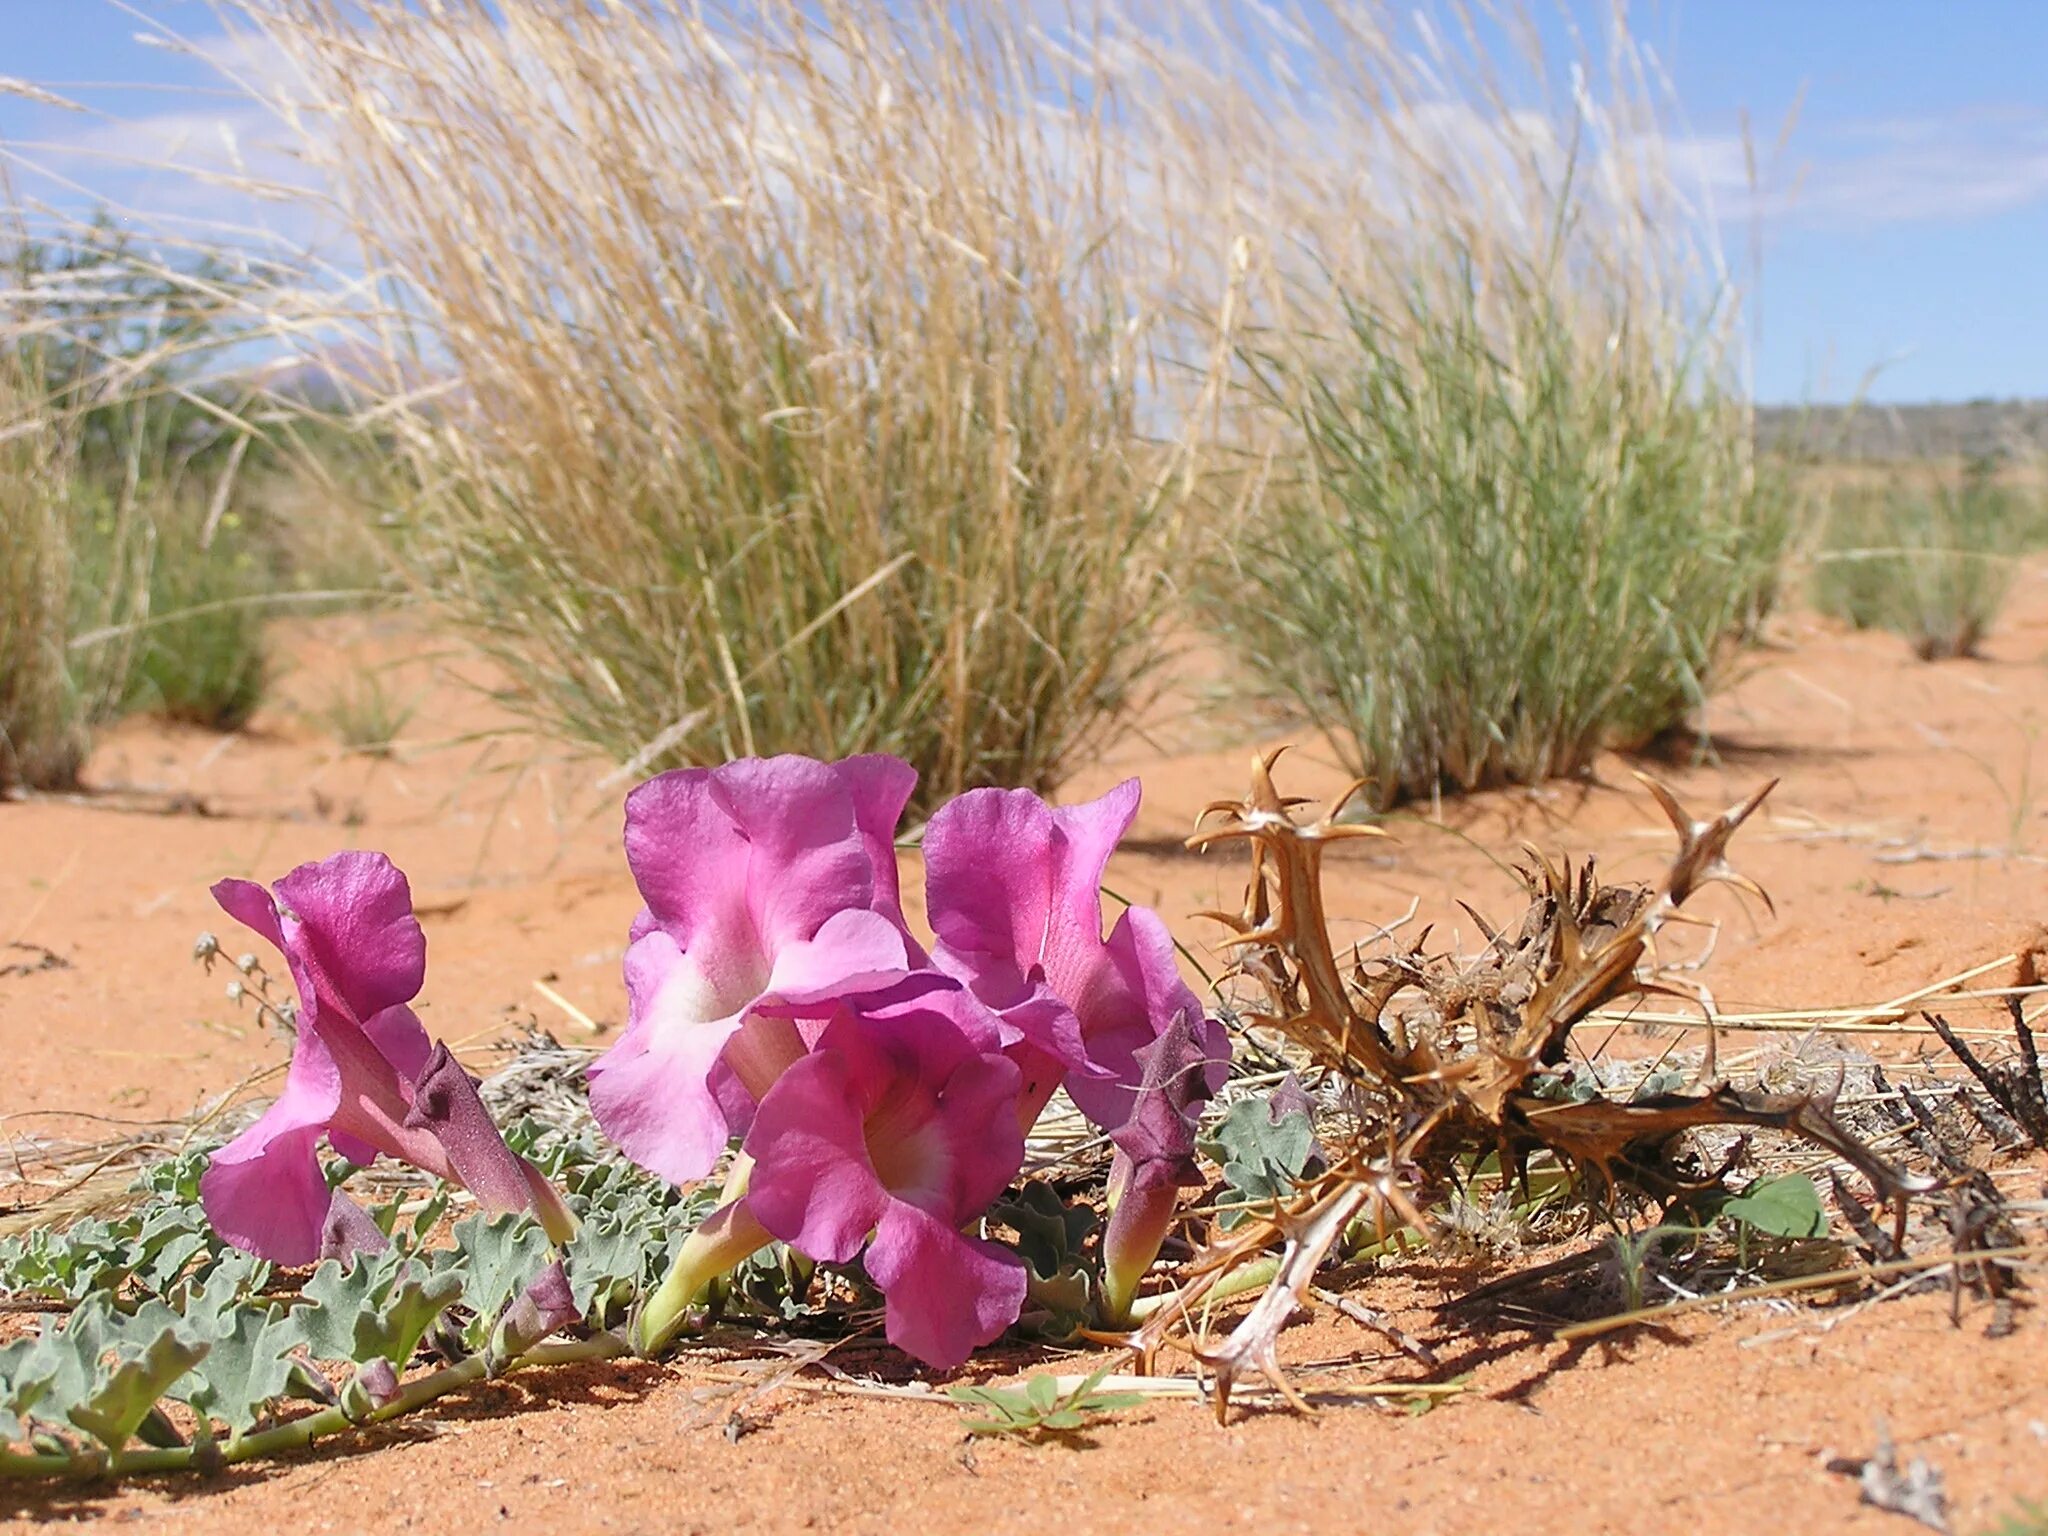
(1493, 550)
(1931, 563)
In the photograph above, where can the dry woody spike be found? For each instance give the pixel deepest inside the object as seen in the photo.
(1444, 1059)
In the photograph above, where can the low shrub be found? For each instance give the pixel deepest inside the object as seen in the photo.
(1932, 562)
(202, 658)
(42, 729)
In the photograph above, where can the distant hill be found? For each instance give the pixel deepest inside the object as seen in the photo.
(1971, 429)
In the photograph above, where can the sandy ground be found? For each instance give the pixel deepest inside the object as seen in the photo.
(1904, 845)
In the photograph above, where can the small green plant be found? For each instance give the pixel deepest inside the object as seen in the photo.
(2027, 1519)
(1930, 563)
(202, 658)
(1264, 1145)
(126, 572)
(365, 716)
(1041, 1406)
(42, 730)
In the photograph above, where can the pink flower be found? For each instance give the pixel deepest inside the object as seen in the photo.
(767, 882)
(362, 1073)
(1012, 887)
(896, 1129)
(1155, 1160)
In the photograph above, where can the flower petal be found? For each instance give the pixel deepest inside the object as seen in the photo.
(349, 1230)
(1129, 1001)
(372, 1101)
(446, 1106)
(977, 1121)
(1008, 875)
(263, 1191)
(689, 858)
(543, 1305)
(1158, 1135)
(813, 1185)
(807, 857)
(947, 1294)
(350, 934)
(1088, 835)
(252, 906)
(881, 787)
(652, 1093)
(853, 951)
(401, 1040)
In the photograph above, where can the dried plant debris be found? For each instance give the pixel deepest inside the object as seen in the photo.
(41, 959)
(1917, 1490)
(2018, 1113)
(1444, 1060)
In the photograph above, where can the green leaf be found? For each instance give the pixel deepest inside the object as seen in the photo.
(1038, 1406)
(394, 1330)
(124, 1398)
(428, 1216)
(339, 1297)
(1782, 1207)
(27, 1370)
(502, 1254)
(248, 1366)
(56, 1370)
(1050, 1232)
(1262, 1156)
(611, 1255)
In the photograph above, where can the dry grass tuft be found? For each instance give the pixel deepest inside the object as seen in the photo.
(772, 373)
(1932, 563)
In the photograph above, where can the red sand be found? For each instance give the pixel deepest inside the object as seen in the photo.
(1714, 1424)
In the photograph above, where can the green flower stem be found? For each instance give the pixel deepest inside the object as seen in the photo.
(299, 1433)
(1401, 1240)
(1140, 1216)
(728, 1236)
(1247, 1278)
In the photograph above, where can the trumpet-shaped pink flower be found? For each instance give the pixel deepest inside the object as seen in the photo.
(897, 1128)
(1013, 890)
(363, 1072)
(767, 882)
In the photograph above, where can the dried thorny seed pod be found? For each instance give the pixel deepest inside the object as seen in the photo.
(1448, 1059)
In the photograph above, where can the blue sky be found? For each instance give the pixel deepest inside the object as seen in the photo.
(1904, 227)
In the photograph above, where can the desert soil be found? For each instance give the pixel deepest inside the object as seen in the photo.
(1903, 846)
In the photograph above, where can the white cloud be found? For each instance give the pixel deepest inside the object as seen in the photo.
(1867, 172)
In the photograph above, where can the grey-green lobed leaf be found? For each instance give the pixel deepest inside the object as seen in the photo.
(122, 1398)
(394, 1329)
(1262, 1154)
(498, 1257)
(248, 1366)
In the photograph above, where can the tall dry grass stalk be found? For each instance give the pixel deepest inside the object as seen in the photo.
(774, 374)
(42, 727)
